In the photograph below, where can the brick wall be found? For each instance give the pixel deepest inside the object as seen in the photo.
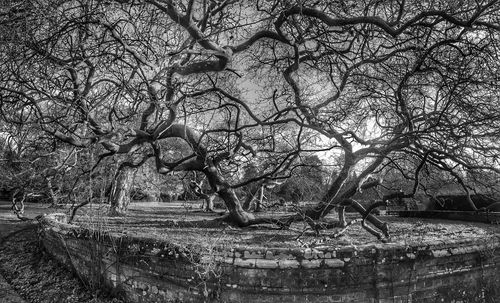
(147, 270)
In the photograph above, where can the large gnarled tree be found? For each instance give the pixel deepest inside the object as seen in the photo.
(368, 81)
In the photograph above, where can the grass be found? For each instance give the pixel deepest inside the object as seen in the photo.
(40, 279)
(157, 220)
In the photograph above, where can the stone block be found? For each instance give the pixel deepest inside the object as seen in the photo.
(311, 263)
(244, 262)
(334, 263)
(288, 264)
(252, 255)
(440, 253)
(262, 263)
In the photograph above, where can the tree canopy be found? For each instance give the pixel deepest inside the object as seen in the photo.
(376, 84)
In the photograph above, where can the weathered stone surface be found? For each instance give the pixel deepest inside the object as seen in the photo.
(310, 263)
(288, 264)
(244, 262)
(261, 263)
(334, 263)
(145, 270)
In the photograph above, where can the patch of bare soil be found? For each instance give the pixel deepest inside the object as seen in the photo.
(159, 220)
(38, 278)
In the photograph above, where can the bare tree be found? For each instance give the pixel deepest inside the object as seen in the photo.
(365, 81)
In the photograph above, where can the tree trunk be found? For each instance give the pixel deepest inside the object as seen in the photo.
(119, 197)
(209, 202)
(237, 215)
(258, 203)
(249, 199)
(341, 192)
(52, 193)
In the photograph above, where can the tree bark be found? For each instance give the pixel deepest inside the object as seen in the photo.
(340, 195)
(249, 199)
(119, 197)
(258, 203)
(52, 193)
(209, 202)
(237, 215)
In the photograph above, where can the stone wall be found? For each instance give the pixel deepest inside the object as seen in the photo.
(145, 270)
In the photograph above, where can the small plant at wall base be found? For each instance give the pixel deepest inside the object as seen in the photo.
(207, 261)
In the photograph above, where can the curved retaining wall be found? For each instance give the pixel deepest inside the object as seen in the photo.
(145, 270)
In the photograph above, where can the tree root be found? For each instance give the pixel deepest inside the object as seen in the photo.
(384, 230)
(19, 212)
(380, 229)
(22, 218)
(344, 229)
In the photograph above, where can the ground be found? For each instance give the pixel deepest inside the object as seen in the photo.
(33, 276)
(7, 293)
(159, 220)
(39, 279)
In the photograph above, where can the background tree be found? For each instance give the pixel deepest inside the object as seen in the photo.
(34, 166)
(307, 181)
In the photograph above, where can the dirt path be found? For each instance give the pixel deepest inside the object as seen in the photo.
(32, 274)
(7, 294)
(9, 224)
